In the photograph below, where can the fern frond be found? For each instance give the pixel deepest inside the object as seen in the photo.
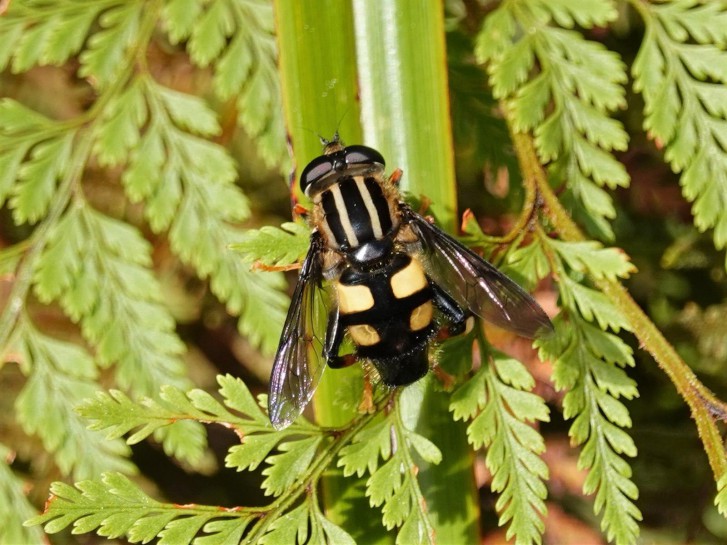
(187, 184)
(174, 412)
(97, 268)
(721, 499)
(500, 406)
(274, 246)
(16, 507)
(35, 155)
(593, 385)
(105, 56)
(61, 374)
(116, 415)
(588, 361)
(236, 39)
(45, 32)
(680, 71)
(114, 507)
(306, 524)
(384, 448)
(566, 98)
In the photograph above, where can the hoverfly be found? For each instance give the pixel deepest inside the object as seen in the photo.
(398, 280)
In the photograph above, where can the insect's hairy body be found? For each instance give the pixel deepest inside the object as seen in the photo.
(398, 281)
(356, 211)
(384, 296)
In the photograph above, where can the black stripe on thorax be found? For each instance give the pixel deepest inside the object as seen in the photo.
(353, 211)
(358, 215)
(380, 202)
(332, 217)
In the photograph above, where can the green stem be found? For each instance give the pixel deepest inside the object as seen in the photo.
(405, 112)
(703, 405)
(418, 500)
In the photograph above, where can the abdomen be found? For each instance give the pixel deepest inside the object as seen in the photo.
(389, 316)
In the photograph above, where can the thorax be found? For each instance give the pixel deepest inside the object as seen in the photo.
(355, 211)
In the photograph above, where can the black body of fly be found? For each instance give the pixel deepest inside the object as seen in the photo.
(397, 279)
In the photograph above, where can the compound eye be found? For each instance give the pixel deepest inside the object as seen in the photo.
(314, 171)
(357, 155)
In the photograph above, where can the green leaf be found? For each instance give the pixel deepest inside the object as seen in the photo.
(31, 44)
(16, 507)
(71, 27)
(238, 397)
(334, 534)
(306, 524)
(45, 33)
(370, 444)
(17, 118)
(238, 41)
(11, 29)
(187, 184)
(721, 499)
(234, 66)
(680, 72)
(529, 261)
(146, 177)
(513, 68)
(424, 447)
(497, 401)
(593, 305)
(590, 257)
(275, 245)
(114, 507)
(593, 386)
(189, 112)
(62, 375)
(105, 55)
(392, 485)
(37, 178)
(294, 460)
(210, 33)
(169, 419)
(586, 13)
(119, 129)
(98, 269)
(469, 398)
(396, 509)
(180, 16)
(290, 528)
(222, 532)
(496, 36)
(384, 483)
(116, 414)
(562, 87)
(10, 161)
(252, 452)
(204, 242)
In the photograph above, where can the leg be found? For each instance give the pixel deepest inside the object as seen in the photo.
(367, 397)
(455, 314)
(396, 176)
(334, 337)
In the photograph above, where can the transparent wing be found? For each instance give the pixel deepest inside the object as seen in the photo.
(475, 284)
(299, 362)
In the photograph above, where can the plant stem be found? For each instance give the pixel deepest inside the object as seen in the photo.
(402, 67)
